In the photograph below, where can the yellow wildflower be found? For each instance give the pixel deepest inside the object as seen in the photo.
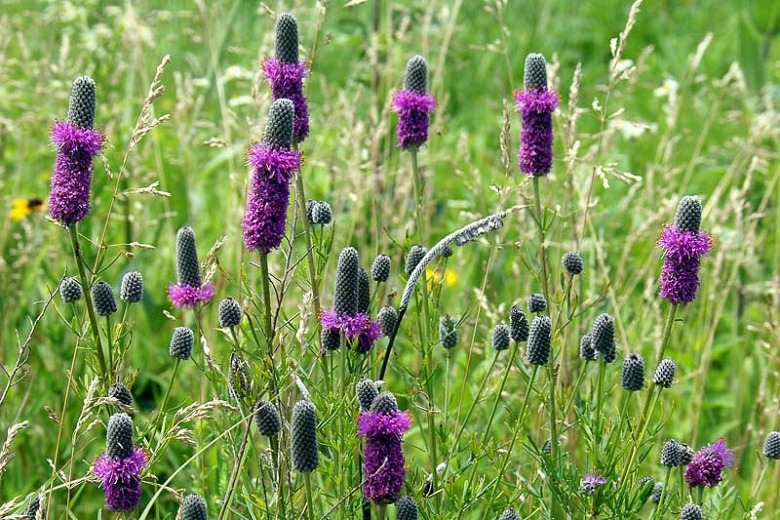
(21, 208)
(437, 276)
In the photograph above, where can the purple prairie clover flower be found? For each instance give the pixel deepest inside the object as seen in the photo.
(414, 105)
(273, 163)
(591, 482)
(707, 465)
(189, 289)
(285, 73)
(121, 479)
(682, 256)
(72, 176)
(383, 458)
(536, 105)
(358, 329)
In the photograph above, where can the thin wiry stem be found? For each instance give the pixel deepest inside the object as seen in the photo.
(239, 462)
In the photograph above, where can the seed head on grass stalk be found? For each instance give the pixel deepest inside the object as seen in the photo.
(77, 144)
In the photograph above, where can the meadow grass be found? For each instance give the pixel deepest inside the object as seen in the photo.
(683, 101)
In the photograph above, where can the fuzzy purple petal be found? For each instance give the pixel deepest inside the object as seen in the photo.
(188, 296)
(121, 479)
(359, 329)
(682, 257)
(286, 81)
(413, 109)
(536, 137)
(383, 459)
(368, 336)
(269, 196)
(72, 175)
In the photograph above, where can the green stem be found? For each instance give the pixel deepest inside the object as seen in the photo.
(276, 474)
(265, 283)
(110, 336)
(87, 285)
(553, 437)
(667, 332)
(599, 401)
(660, 503)
(540, 226)
(309, 501)
(161, 409)
(236, 469)
(315, 292)
(515, 434)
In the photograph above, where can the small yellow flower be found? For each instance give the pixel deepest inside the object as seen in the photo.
(21, 208)
(448, 276)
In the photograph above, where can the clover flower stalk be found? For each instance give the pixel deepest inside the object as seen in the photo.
(77, 143)
(285, 73)
(119, 469)
(273, 162)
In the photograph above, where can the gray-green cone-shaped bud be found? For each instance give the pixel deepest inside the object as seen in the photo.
(287, 38)
(121, 393)
(385, 403)
(103, 296)
(518, 324)
(500, 339)
(772, 445)
(303, 437)
(366, 391)
(229, 313)
(81, 107)
(70, 290)
(267, 418)
(509, 514)
(688, 214)
(691, 512)
(406, 508)
(587, 352)
(380, 269)
(415, 256)
(193, 507)
(345, 294)
(388, 319)
(537, 303)
(539, 341)
(658, 489)
(633, 375)
(416, 76)
(671, 454)
(279, 124)
(187, 266)
(119, 436)
(603, 337)
(535, 76)
(331, 339)
(448, 331)
(364, 291)
(572, 262)
(182, 341)
(664, 373)
(132, 288)
(321, 213)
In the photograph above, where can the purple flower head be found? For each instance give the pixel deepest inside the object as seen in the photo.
(591, 481)
(286, 81)
(188, 296)
(358, 329)
(383, 464)
(682, 256)
(120, 479)
(707, 465)
(273, 163)
(72, 176)
(536, 137)
(413, 109)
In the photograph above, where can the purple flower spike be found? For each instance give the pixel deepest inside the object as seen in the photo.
(536, 138)
(72, 176)
(358, 329)
(383, 457)
(120, 479)
(413, 109)
(591, 482)
(707, 465)
(269, 194)
(286, 81)
(188, 296)
(682, 257)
